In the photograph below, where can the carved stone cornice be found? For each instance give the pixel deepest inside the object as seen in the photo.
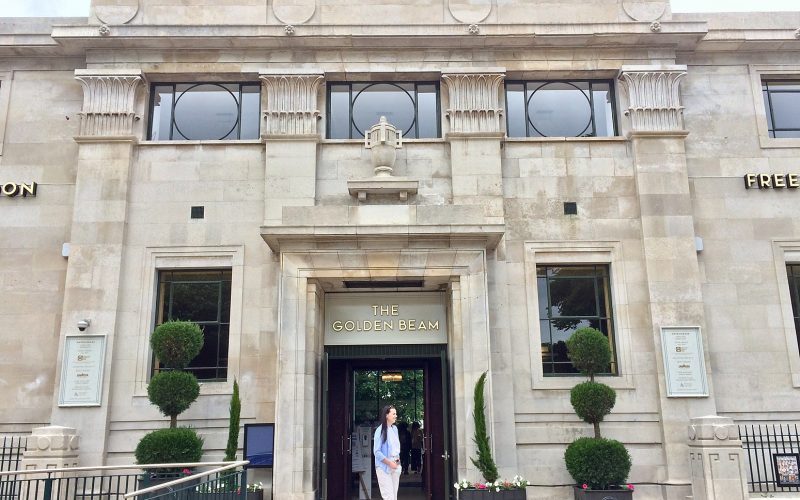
(474, 105)
(654, 103)
(109, 102)
(291, 102)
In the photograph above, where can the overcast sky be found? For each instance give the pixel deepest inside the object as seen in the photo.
(13, 8)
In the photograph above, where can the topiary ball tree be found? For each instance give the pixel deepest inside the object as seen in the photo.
(176, 343)
(165, 446)
(589, 351)
(173, 392)
(597, 462)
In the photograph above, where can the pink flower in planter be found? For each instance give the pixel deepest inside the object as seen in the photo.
(480, 486)
(187, 472)
(630, 487)
(585, 486)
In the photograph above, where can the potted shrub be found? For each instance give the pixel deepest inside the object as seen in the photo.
(599, 466)
(492, 487)
(234, 412)
(172, 390)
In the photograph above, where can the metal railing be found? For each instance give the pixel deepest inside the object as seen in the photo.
(763, 445)
(120, 482)
(10, 456)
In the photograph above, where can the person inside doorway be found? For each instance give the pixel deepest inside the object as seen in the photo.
(416, 448)
(405, 446)
(386, 447)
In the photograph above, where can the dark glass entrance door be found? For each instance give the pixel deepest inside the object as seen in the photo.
(357, 390)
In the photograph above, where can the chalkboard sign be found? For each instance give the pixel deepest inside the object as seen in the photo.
(259, 444)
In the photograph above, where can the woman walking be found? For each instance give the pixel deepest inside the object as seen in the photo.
(386, 447)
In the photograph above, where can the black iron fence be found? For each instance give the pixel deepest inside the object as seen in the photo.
(773, 457)
(10, 457)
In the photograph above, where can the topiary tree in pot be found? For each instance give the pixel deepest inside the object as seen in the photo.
(599, 466)
(175, 344)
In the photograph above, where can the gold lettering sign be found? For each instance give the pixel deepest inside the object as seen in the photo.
(771, 181)
(12, 189)
(385, 318)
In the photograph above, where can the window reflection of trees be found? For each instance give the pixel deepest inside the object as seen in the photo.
(371, 394)
(204, 298)
(571, 297)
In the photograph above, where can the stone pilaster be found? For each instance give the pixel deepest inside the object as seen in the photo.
(97, 237)
(673, 274)
(654, 103)
(474, 101)
(717, 459)
(108, 102)
(50, 447)
(475, 134)
(291, 136)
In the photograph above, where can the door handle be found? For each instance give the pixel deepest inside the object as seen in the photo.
(349, 444)
(446, 455)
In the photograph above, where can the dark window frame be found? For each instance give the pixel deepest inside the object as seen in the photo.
(173, 125)
(600, 272)
(793, 274)
(528, 125)
(165, 314)
(767, 94)
(414, 98)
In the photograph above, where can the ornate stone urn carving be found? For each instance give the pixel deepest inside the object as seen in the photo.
(383, 139)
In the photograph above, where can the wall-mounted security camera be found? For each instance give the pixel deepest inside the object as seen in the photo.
(84, 324)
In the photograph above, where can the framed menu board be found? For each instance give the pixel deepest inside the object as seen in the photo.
(82, 370)
(684, 363)
(787, 469)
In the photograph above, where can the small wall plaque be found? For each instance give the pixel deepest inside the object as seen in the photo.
(82, 370)
(684, 363)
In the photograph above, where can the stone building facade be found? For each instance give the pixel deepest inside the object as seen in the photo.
(677, 192)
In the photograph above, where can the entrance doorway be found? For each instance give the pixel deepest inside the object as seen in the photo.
(412, 379)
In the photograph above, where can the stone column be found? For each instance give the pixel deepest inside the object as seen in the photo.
(717, 459)
(673, 277)
(97, 234)
(475, 136)
(51, 447)
(475, 114)
(291, 137)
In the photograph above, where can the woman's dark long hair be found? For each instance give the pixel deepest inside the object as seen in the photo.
(384, 426)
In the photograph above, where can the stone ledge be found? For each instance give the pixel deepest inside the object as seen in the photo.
(485, 236)
(382, 186)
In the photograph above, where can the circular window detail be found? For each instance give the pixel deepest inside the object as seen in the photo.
(560, 109)
(206, 111)
(383, 99)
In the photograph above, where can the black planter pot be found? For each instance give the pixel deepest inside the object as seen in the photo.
(581, 494)
(491, 495)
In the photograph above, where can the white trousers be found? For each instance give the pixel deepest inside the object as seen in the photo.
(389, 483)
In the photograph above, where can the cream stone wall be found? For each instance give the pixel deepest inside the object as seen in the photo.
(488, 210)
(41, 114)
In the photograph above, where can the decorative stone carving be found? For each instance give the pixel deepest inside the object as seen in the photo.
(473, 29)
(797, 33)
(104, 30)
(294, 11)
(474, 105)
(470, 11)
(644, 10)
(115, 11)
(291, 102)
(655, 27)
(654, 103)
(109, 101)
(288, 29)
(716, 459)
(383, 139)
